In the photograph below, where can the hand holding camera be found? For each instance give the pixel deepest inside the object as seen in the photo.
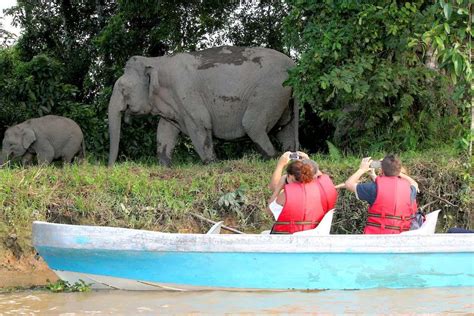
(294, 156)
(376, 164)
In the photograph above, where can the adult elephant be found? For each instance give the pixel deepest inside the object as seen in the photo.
(222, 92)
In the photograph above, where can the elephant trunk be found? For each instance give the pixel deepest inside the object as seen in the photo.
(4, 157)
(116, 106)
(115, 122)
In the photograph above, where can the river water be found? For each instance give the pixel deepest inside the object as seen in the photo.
(376, 301)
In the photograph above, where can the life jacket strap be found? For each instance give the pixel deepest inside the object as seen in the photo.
(297, 223)
(387, 226)
(274, 232)
(400, 218)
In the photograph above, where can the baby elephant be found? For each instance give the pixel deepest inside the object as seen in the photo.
(49, 137)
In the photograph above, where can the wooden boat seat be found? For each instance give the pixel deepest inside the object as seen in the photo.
(428, 227)
(216, 228)
(323, 228)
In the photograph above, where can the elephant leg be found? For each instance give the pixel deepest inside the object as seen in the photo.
(255, 125)
(71, 150)
(67, 158)
(27, 159)
(286, 136)
(201, 138)
(44, 152)
(166, 138)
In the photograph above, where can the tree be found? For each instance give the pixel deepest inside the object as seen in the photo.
(450, 36)
(258, 24)
(6, 38)
(358, 73)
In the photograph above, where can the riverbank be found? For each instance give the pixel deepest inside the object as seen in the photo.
(147, 196)
(27, 272)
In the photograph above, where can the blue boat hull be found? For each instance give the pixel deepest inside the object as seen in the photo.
(110, 257)
(276, 271)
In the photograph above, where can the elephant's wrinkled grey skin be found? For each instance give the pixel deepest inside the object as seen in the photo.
(49, 137)
(222, 92)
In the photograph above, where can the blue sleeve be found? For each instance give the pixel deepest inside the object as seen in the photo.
(367, 192)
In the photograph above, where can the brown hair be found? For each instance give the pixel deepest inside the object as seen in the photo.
(313, 164)
(302, 172)
(391, 166)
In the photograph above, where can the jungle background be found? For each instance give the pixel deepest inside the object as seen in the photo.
(372, 77)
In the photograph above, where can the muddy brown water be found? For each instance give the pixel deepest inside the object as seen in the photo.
(375, 301)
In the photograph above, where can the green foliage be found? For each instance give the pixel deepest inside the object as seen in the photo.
(5, 37)
(363, 76)
(61, 286)
(234, 202)
(334, 153)
(450, 38)
(450, 41)
(358, 73)
(258, 23)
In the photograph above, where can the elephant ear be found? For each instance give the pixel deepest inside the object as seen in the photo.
(28, 137)
(152, 74)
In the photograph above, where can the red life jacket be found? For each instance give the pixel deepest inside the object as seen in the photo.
(328, 192)
(393, 209)
(302, 209)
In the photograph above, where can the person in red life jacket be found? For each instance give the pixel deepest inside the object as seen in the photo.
(391, 196)
(298, 206)
(328, 191)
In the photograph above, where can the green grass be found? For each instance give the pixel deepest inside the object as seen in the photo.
(147, 196)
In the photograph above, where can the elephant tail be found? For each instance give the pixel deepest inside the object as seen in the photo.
(296, 119)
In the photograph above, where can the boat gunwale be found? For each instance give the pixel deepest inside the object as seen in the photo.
(124, 239)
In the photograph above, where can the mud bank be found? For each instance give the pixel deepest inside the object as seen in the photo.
(26, 272)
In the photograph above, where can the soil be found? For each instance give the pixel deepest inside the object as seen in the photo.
(25, 272)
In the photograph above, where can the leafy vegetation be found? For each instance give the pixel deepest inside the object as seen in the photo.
(61, 286)
(358, 72)
(449, 42)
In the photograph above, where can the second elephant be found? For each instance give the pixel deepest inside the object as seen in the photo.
(222, 92)
(49, 137)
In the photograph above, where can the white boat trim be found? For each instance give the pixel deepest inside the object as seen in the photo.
(111, 238)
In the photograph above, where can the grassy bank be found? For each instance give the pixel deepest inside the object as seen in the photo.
(146, 196)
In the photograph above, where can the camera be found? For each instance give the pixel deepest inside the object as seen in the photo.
(376, 164)
(294, 156)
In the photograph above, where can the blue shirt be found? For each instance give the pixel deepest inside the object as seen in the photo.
(368, 192)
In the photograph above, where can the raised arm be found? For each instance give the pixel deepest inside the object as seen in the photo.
(278, 188)
(411, 180)
(351, 183)
(276, 176)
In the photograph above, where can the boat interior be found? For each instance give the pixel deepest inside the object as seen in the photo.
(324, 227)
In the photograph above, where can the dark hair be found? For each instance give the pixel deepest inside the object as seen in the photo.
(391, 166)
(302, 172)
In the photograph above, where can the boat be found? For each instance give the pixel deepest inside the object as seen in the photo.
(129, 259)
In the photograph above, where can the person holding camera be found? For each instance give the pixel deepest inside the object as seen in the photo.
(391, 196)
(308, 202)
(328, 193)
